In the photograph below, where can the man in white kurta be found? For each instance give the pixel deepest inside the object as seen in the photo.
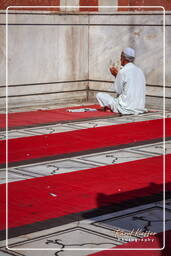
(129, 86)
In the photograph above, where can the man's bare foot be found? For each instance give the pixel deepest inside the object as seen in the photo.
(104, 109)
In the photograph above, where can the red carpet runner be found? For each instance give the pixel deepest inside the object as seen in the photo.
(31, 200)
(38, 117)
(37, 147)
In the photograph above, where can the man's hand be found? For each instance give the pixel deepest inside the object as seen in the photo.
(114, 71)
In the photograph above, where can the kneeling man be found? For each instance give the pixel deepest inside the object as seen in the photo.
(129, 86)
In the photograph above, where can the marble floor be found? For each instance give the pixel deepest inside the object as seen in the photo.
(90, 235)
(71, 126)
(84, 237)
(88, 161)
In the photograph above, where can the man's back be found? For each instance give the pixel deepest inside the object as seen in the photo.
(130, 84)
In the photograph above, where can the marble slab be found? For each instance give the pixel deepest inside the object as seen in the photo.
(61, 45)
(149, 116)
(90, 234)
(168, 115)
(16, 134)
(60, 50)
(152, 117)
(153, 91)
(31, 18)
(142, 38)
(121, 19)
(137, 118)
(124, 120)
(72, 5)
(157, 148)
(168, 147)
(147, 220)
(13, 176)
(2, 135)
(77, 240)
(92, 124)
(44, 99)
(168, 203)
(78, 125)
(5, 253)
(88, 161)
(55, 167)
(115, 157)
(112, 5)
(56, 105)
(52, 129)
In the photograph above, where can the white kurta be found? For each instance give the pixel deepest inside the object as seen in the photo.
(130, 85)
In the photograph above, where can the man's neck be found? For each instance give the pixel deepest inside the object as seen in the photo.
(126, 62)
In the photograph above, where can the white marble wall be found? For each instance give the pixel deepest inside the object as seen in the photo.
(107, 42)
(44, 50)
(47, 49)
(47, 52)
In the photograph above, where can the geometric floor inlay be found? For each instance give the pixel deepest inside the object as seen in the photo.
(95, 233)
(147, 220)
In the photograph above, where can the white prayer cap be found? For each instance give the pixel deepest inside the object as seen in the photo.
(129, 52)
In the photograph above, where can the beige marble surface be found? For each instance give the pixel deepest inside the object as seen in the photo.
(106, 44)
(47, 54)
(44, 99)
(126, 18)
(42, 50)
(72, 5)
(44, 88)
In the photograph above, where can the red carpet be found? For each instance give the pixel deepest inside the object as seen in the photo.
(21, 119)
(37, 147)
(31, 200)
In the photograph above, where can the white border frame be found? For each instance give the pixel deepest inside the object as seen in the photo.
(164, 126)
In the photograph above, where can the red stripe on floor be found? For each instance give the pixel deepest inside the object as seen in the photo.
(36, 147)
(33, 200)
(22, 119)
